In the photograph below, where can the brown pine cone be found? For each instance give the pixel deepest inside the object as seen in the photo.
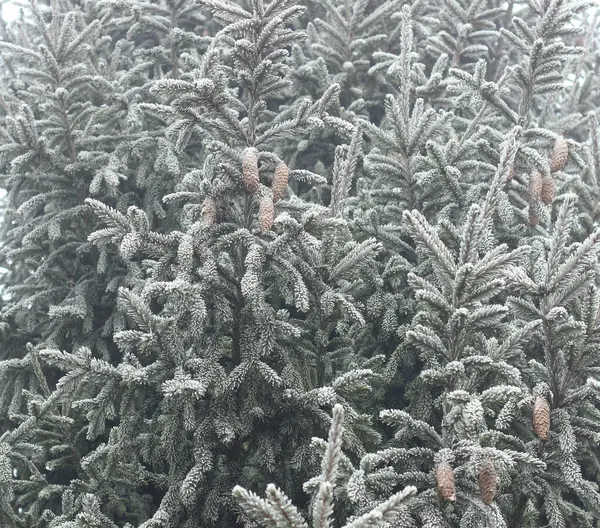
(548, 190)
(280, 181)
(250, 169)
(541, 418)
(444, 476)
(209, 212)
(560, 153)
(488, 481)
(534, 213)
(535, 186)
(266, 213)
(511, 173)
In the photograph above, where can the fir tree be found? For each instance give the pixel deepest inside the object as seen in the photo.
(230, 294)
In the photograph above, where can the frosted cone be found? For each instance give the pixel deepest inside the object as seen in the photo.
(250, 169)
(535, 186)
(488, 481)
(541, 418)
(266, 213)
(209, 212)
(560, 153)
(511, 173)
(444, 476)
(534, 218)
(548, 190)
(280, 181)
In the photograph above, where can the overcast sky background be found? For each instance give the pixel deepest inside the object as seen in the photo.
(9, 11)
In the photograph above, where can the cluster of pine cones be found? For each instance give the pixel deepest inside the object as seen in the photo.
(542, 188)
(251, 179)
(487, 477)
(487, 480)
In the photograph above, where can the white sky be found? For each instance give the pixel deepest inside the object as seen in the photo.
(9, 11)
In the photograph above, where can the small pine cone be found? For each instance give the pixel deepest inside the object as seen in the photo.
(266, 213)
(130, 245)
(548, 190)
(444, 476)
(209, 212)
(560, 153)
(280, 181)
(535, 186)
(488, 481)
(250, 169)
(534, 219)
(541, 418)
(534, 213)
(511, 173)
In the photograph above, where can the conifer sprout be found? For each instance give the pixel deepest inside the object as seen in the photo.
(559, 155)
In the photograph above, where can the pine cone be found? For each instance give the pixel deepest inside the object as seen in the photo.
(280, 181)
(534, 214)
(444, 476)
(488, 481)
(560, 153)
(511, 173)
(266, 213)
(209, 212)
(541, 418)
(535, 186)
(250, 169)
(548, 190)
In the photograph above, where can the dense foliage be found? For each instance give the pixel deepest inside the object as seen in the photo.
(234, 229)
